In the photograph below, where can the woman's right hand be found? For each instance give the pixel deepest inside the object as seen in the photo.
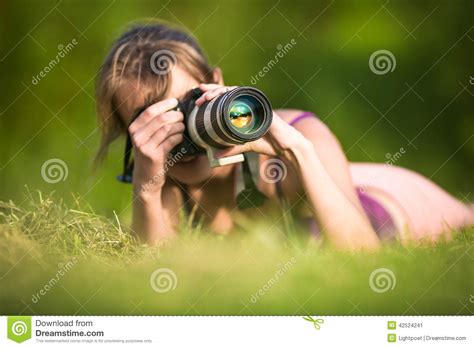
(154, 133)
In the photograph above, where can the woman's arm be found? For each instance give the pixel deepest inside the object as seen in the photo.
(326, 180)
(154, 217)
(154, 133)
(330, 156)
(322, 173)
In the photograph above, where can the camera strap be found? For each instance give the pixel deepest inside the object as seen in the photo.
(248, 194)
(127, 174)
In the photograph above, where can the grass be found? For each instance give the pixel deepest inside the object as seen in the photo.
(76, 262)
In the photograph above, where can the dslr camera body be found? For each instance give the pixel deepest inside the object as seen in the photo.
(236, 117)
(240, 115)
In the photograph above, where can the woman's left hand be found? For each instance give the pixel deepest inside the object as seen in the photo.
(325, 181)
(280, 138)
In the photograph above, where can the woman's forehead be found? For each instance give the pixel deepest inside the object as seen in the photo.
(181, 83)
(133, 95)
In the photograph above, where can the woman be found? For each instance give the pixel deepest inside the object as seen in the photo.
(394, 202)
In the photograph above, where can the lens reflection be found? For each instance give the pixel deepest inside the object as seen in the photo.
(240, 114)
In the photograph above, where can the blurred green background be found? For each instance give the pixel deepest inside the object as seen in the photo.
(424, 105)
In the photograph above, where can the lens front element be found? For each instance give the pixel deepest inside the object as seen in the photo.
(241, 115)
(238, 116)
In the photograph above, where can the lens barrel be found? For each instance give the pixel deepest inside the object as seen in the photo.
(238, 116)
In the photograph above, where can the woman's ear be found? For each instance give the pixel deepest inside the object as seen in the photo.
(217, 76)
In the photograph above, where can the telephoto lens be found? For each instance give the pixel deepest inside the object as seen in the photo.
(240, 115)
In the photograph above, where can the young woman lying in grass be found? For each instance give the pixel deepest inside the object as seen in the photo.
(352, 205)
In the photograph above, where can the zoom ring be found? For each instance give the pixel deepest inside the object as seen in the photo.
(201, 127)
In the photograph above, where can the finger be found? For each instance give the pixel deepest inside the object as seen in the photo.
(205, 96)
(158, 148)
(209, 86)
(161, 134)
(151, 112)
(212, 94)
(145, 132)
(172, 141)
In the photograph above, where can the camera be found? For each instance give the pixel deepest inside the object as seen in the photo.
(240, 115)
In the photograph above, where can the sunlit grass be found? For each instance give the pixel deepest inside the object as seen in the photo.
(255, 271)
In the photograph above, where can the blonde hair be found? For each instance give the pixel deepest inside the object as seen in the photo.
(133, 58)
